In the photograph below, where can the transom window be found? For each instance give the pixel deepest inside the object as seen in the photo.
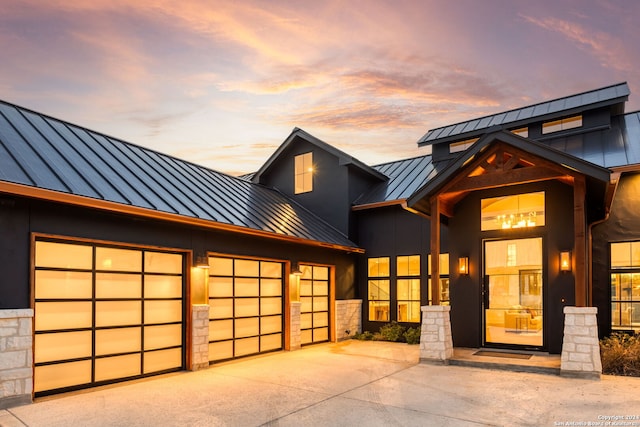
(562, 124)
(515, 211)
(378, 284)
(625, 285)
(523, 132)
(408, 288)
(459, 146)
(303, 171)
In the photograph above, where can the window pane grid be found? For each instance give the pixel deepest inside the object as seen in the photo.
(314, 295)
(114, 276)
(625, 285)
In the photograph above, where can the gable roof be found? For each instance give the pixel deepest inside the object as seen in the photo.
(594, 173)
(50, 159)
(343, 157)
(567, 105)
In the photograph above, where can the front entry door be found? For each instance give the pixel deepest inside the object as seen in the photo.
(512, 290)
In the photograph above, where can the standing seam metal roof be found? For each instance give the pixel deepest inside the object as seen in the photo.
(47, 153)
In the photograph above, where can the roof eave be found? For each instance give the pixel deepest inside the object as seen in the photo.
(107, 206)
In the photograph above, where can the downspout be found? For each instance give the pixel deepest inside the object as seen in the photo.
(611, 192)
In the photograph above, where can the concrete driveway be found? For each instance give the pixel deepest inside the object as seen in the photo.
(349, 383)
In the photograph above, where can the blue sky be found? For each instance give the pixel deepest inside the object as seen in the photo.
(223, 83)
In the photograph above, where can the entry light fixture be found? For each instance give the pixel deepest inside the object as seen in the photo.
(295, 269)
(202, 261)
(565, 261)
(463, 265)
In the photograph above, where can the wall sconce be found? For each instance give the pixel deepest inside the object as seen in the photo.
(202, 261)
(295, 269)
(565, 261)
(463, 265)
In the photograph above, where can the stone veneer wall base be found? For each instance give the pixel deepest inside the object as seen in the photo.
(348, 318)
(199, 337)
(295, 331)
(16, 357)
(580, 345)
(436, 344)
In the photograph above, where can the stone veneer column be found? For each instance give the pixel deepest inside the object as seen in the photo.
(16, 357)
(294, 327)
(580, 345)
(436, 345)
(348, 318)
(199, 337)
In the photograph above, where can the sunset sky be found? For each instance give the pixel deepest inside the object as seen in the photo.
(223, 83)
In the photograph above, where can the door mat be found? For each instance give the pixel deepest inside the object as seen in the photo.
(502, 354)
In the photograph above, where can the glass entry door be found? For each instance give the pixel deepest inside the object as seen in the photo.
(512, 291)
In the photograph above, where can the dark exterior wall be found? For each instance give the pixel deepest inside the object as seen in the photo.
(390, 232)
(20, 217)
(335, 186)
(622, 225)
(466, 239)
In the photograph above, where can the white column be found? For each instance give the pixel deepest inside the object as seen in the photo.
(580, 344)
(436, 344)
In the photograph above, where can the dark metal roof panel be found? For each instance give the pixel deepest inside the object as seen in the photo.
(42, 152)
(602, 96)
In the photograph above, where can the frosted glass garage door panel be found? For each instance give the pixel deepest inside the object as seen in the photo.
(320, 304)
(246, 267)
(109, 285)
(63, 255)
(220, 287)
(220, 266)
(320, 319)
(158, 262)
(271, 342)
(221, 308)
(220, 350)
(306, 337)
(162, 311)
(61, 375)
(246, 307)
(220, 330)
(162, 286)
(62, 315)
(111, 259)
(270, 287)
(246, 327)
(62, 346)
(270, 324)
(270, 269)
(247, 346)
(110, 368)
(118, 313)
(320, 288)
(306, 304)
(270, 306)
(118, 340)
(162, 336)
(161, 360)
(247, 287)
(321, 273)
(321, 334)
(63, 285)
(305, 287)
(305, 321)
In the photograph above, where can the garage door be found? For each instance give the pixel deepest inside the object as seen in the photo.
(105, 314)
(245, 299)
(314, 308)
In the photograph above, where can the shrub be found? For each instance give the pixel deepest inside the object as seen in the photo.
(620, 354)
(412, 336)
(365, 336)
(392, 332)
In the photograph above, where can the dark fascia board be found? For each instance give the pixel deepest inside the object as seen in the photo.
(541, 150)
(619, 99)
(344, 158)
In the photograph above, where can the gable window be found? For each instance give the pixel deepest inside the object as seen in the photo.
(516, 211)
(625, 285)
(459, 146)
(408, 288)
(378, 284)
(562, 124)
(303, 171)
